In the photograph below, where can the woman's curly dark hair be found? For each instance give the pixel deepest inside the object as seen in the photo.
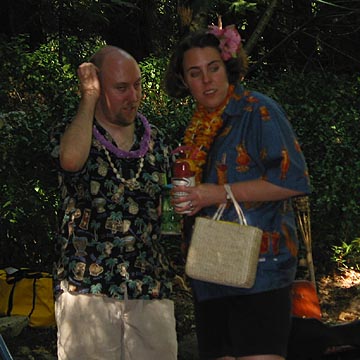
(236, 68)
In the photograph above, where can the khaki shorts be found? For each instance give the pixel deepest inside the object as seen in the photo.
(92, 327)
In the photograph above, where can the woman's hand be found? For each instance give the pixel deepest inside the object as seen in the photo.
(205, 195)
(197, 197)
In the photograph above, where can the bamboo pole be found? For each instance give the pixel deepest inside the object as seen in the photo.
(302, 209)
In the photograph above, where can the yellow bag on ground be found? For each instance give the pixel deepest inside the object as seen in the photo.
(27, 293)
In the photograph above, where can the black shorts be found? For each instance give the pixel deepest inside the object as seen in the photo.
(244, 325)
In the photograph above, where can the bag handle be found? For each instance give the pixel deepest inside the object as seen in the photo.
(17, 277)
(21, 274)
(220, 210)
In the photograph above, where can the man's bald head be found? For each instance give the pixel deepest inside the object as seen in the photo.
(98, 58)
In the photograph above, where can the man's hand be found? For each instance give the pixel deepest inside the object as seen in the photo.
(89, 80)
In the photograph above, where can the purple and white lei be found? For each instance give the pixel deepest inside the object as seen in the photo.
(144, 143)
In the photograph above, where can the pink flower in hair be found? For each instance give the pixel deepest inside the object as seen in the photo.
(230, 40)
(215, 30)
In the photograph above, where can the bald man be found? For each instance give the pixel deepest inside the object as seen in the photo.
(112, 164)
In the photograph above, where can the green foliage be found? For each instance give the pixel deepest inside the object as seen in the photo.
(37, 92)
(241, 6)
(347, 255)
(168, 114)
(26, 202)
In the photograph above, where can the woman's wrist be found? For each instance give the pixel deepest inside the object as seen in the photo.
(223, 196)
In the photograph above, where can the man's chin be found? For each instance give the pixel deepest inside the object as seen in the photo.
(128, 120)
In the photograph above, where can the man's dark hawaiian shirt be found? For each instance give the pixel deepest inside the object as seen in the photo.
(109, 238)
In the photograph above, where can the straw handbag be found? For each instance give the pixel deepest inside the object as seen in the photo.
(224, 252)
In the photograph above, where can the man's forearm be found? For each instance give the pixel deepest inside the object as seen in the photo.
(76, 142)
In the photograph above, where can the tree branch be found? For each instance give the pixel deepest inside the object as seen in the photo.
(250, 44)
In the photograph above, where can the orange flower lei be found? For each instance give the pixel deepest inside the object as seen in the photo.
(201, 133)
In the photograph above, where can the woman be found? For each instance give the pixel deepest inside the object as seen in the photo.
(242, 138)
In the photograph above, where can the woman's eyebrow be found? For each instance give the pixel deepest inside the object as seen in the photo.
(197, 67)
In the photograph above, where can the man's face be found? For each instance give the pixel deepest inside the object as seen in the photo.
(121, 90)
